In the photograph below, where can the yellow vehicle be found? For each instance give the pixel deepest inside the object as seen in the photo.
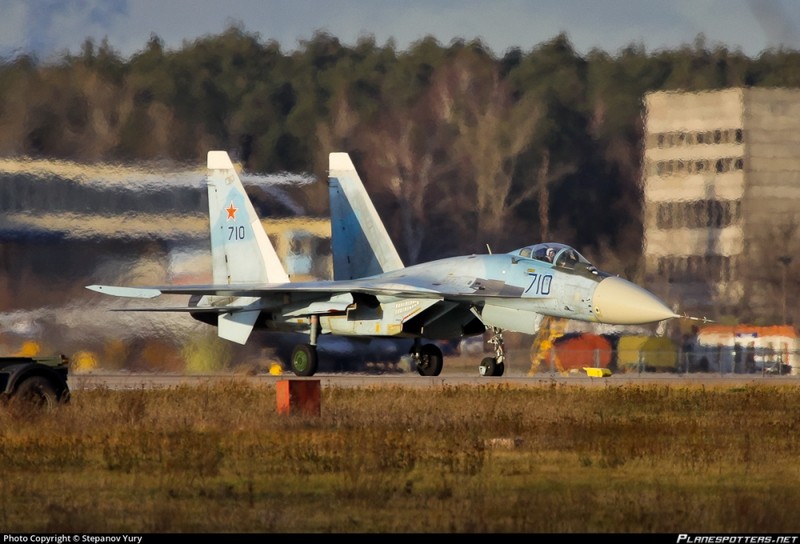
(646, 354)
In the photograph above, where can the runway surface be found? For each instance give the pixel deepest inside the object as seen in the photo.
(129, 380)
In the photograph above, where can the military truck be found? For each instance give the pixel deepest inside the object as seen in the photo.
(41, 380)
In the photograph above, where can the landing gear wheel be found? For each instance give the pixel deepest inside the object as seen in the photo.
(487, 366)
(304, 360)
(490, 367)
(429, 360)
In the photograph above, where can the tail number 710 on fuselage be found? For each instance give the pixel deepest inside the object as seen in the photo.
(540, 284)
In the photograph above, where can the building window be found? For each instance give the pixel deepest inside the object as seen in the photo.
(675, 139)
(667, 168)
(698, 214)
(727, 165)
(664, 215)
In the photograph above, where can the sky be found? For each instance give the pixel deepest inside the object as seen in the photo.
(49, 28)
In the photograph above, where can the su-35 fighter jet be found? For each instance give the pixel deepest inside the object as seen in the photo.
(373, 294)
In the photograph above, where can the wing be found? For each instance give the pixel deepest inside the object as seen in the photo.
(464, 289)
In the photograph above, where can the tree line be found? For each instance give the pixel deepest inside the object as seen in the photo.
(458, 147)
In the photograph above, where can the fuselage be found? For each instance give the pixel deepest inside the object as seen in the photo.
(461, 296)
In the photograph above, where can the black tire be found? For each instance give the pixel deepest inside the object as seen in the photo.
(488, 366)
(430, 361)
(304, 360)
(37, 391)
(500, 369)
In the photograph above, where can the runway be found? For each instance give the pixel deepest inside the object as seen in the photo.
(130, 380)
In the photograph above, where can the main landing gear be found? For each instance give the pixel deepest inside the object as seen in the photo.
(428, 358)
(305, 361)
(494, 366)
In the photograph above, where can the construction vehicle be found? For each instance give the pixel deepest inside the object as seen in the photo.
(38, 380)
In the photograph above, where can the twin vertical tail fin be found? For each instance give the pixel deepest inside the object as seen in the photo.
(360, 245)
(240, 249)
(241, 252)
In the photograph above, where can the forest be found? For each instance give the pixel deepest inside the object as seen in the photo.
(460, 149)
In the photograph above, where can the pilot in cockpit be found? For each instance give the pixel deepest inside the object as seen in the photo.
(544, 253)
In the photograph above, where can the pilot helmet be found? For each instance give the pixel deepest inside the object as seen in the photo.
(551, 253)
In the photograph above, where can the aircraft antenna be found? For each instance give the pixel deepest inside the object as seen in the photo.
(490, 249)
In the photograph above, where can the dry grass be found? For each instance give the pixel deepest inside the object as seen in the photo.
(489, 458)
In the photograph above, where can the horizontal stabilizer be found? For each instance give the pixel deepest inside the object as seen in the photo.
(128, 292)
(237, 326)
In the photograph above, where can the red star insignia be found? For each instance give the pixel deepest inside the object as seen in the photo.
(231, 209)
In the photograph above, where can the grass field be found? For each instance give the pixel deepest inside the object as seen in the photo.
(488, 458)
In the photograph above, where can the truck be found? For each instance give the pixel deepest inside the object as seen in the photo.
(38, 380)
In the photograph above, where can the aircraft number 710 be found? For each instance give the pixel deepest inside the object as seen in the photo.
(540, 284)
(236, 233)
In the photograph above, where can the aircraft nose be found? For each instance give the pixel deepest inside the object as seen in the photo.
(620, 302)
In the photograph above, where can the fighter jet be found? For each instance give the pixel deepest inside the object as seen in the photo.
(372, 294)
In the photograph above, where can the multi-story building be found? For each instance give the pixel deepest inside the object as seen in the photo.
(721, 177)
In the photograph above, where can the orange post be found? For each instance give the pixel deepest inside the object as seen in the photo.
(298, 397)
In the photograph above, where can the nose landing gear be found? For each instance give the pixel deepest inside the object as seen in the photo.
(494, 366)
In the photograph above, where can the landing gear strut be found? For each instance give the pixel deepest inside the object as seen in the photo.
(428, 358)
(494, 366)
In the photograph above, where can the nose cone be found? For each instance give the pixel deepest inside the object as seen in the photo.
(620, 302)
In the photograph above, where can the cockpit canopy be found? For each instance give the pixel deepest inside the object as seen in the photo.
(558, 254)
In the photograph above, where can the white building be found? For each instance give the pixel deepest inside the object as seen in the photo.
(721, 177)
